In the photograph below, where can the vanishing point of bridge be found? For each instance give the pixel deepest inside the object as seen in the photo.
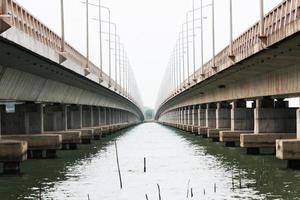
(61, 99)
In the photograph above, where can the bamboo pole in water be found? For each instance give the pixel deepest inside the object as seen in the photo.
(119, 171)
(159, 195)
(145, 167)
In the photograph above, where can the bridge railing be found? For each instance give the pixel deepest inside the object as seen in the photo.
(250, 42)
(21, 19)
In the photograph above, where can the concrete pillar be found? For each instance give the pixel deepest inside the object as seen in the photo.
(55, 117)
(188, 113)
(87, 116)
(202, 115)
(274, 117)
(27, 119)
(223, 117)
(211, 115)
(75, 117)
(242, 118)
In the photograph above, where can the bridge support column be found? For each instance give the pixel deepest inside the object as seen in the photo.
(56, 118)
(242, 121)
(273, 120)
(223, 121)
(27, 119)
(87, 116)
(289, 149)
(75, 117)
(210, 119)
(202, 118)
(194, 119)
(189, 118)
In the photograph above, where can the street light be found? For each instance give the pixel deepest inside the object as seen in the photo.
(231, 56)
(87, 70)
(109, 30)
(62, 26)
(100, 43)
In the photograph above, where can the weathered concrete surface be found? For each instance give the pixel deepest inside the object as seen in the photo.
(214, 133)
(86, 135)
(13, 150)
(288, 149)
(242, 118)
(38, 142)
(12, 153)
(69, 137)
(275, 120)
(202, 131)
(266, 140)
(223, 115)
(97, 133)
(234, 136)
(230, 138)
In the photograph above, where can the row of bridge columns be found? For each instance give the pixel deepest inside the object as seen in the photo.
(256, 127)
(40, 118)
(39, 130)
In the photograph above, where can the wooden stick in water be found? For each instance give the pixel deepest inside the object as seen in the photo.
(188, 189)
(120, 178)
(145, 165)
(159, 195)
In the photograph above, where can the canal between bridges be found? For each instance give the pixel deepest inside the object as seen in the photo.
(177, 161)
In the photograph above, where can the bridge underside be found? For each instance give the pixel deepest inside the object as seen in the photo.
(272, 72)
(26, 76)
(217, 107)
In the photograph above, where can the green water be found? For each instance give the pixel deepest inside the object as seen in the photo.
(174, 158)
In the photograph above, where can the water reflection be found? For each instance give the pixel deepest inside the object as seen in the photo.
(173, 158)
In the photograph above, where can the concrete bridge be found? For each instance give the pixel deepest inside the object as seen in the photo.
(238, 97)
(61, 99)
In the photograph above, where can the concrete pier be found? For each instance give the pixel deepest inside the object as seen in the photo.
(39, 146)
(223, 121)
(242, 121)
(210, 119)
(289, 150)
(273, 120)
(12, 153)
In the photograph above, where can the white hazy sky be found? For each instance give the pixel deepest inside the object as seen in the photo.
(148, 29)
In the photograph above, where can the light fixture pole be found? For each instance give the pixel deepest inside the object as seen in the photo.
(100, 43)
(201, 19)
(62, 26)
(213, 33)
(87, 71)
(231, 30)
(262, 19)
(194, 48)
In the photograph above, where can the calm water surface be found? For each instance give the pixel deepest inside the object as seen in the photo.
(174, 158)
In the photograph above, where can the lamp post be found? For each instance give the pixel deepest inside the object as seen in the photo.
(87, 71)
(100, 43)
(109, 30)
(262, 19)
(201, 19)
(213, 33)
(194, 48)
(181, 49)
(62, 26)
(231, 31)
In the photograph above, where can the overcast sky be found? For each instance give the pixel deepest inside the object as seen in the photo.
(148, 29)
